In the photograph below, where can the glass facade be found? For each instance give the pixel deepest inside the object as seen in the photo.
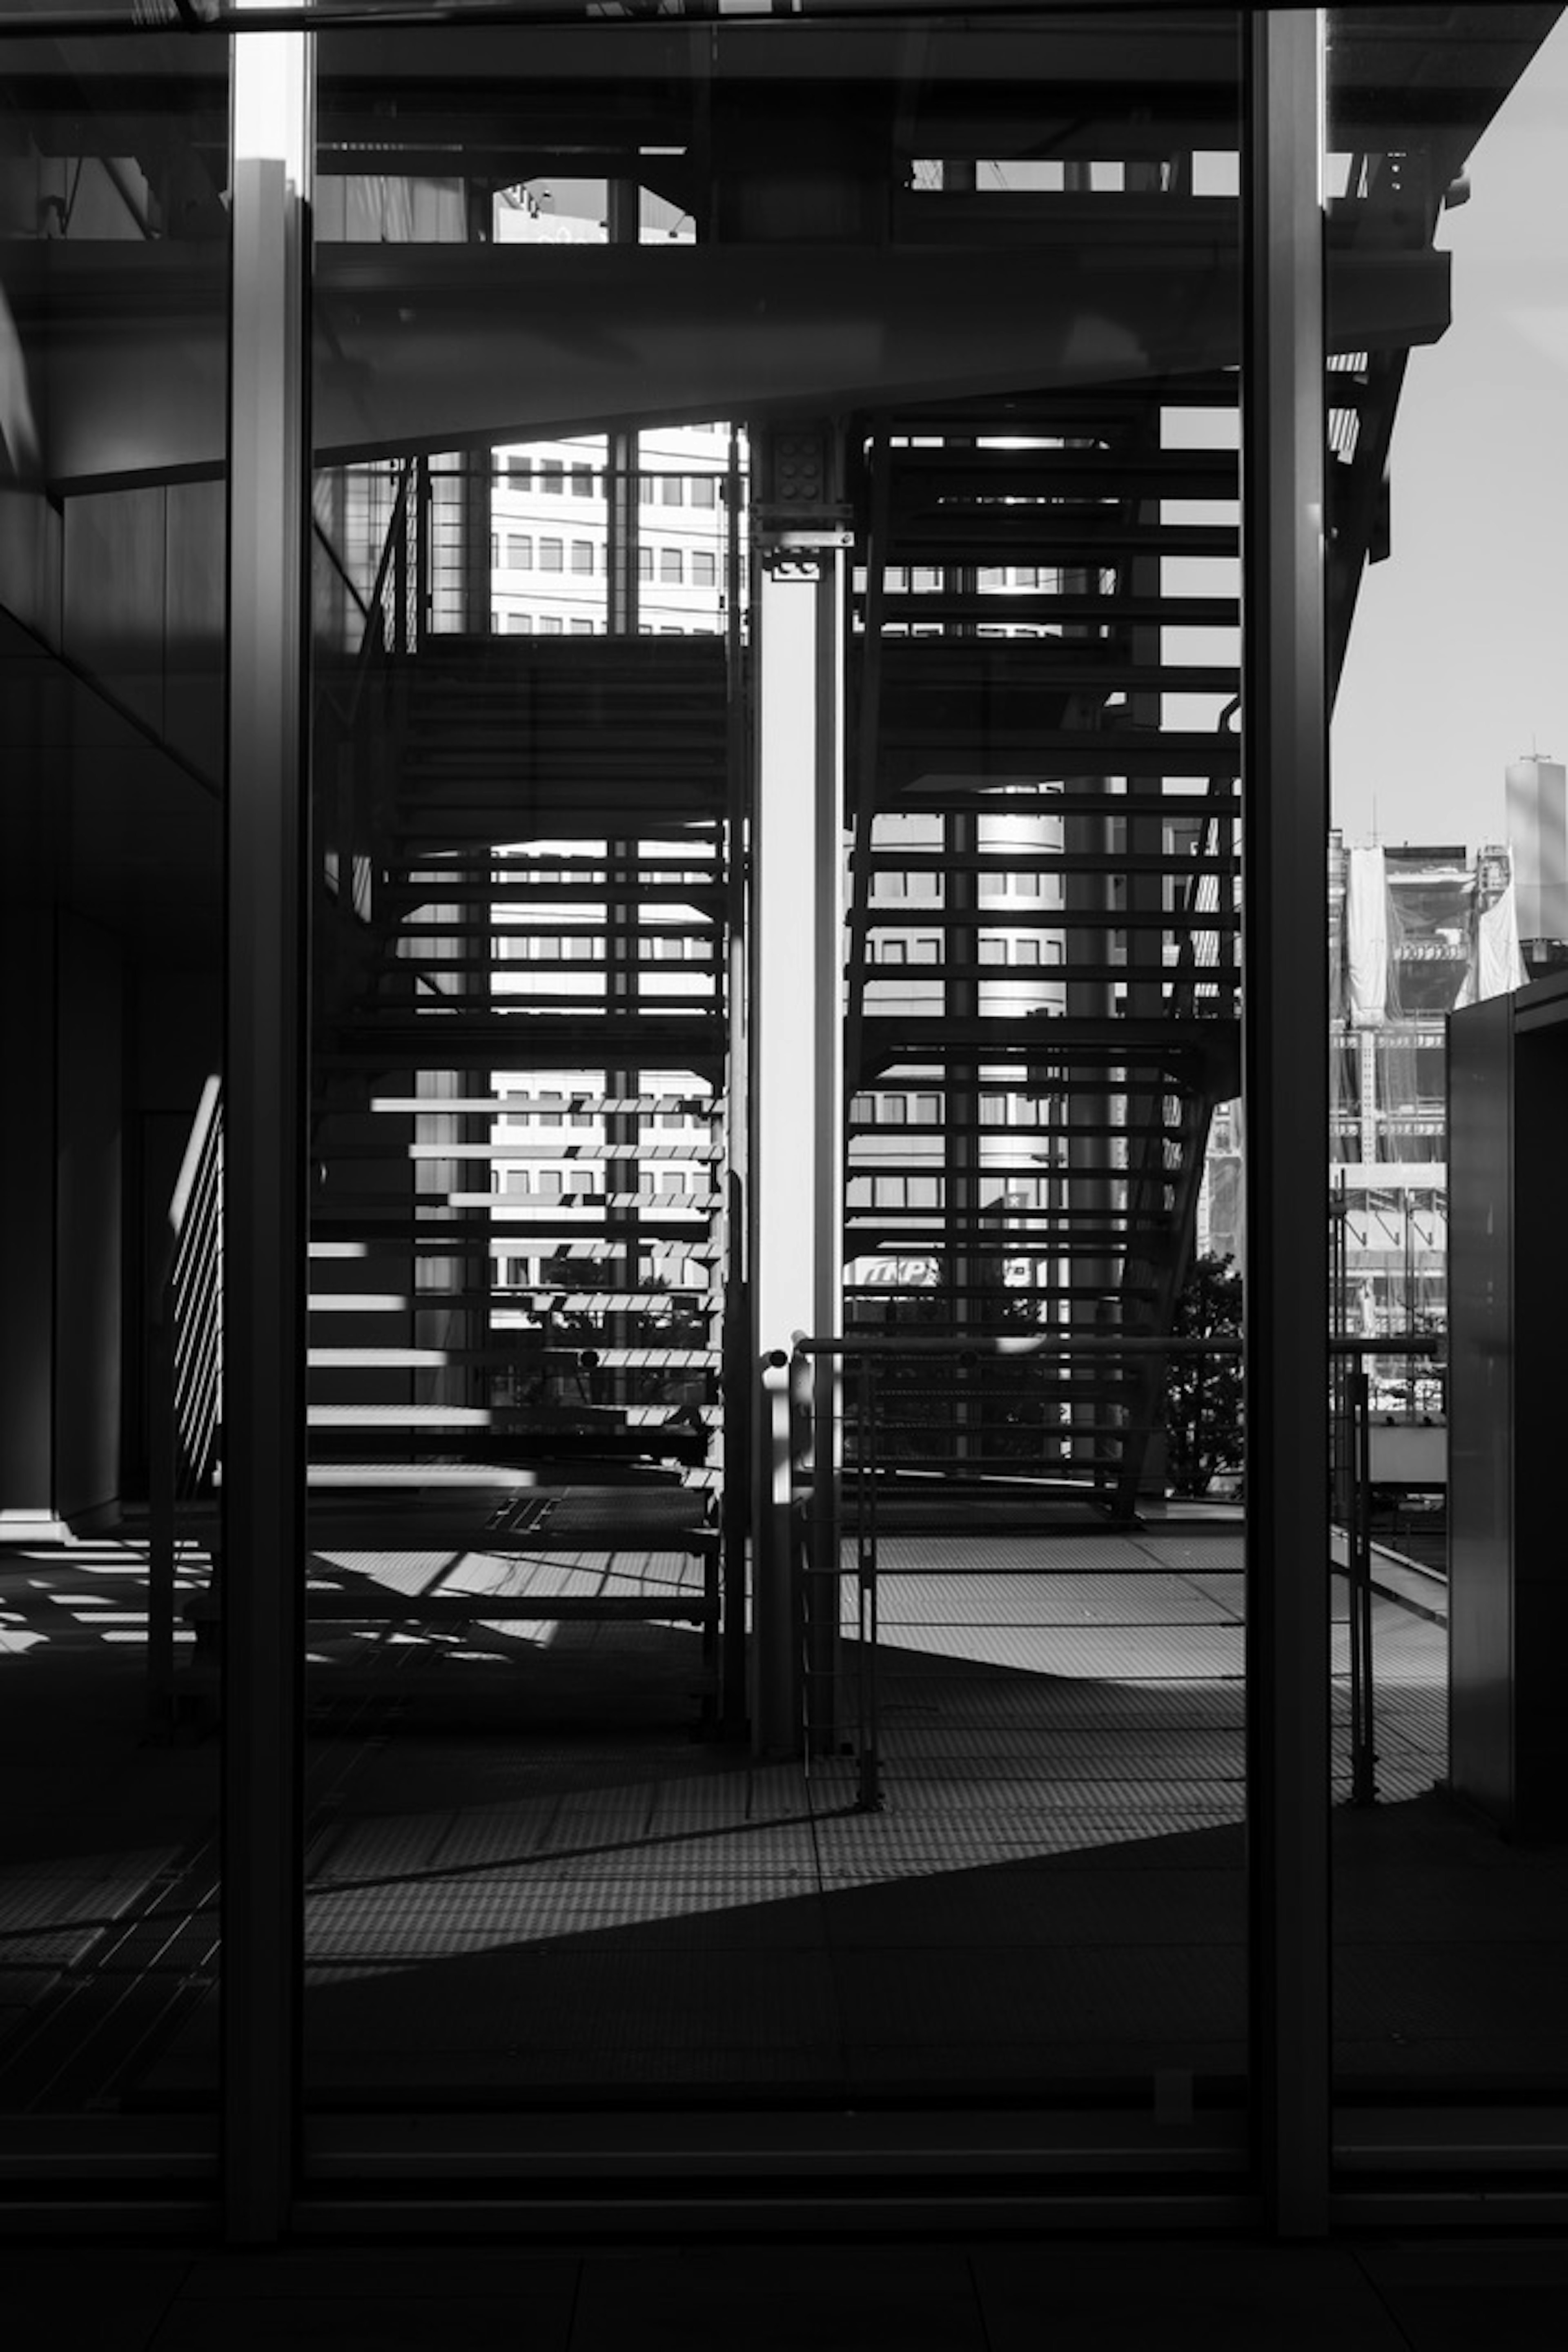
(759, 1464)
(1447, 1894)
(113, 321)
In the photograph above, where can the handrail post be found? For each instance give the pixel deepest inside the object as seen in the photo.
(821, 1387)
(868, 1794)
(776, 1617)
(162, 1444)
(1363, 1757)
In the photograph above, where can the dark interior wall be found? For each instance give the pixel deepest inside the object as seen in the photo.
(143, 608)
(109, 896)
(28, 1205)
(87, 1177)
(32, 541)
(1540, 1317)
(1508, 1066)
(1480, 1402)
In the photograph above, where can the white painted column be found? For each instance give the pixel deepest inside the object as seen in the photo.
(797, 1054)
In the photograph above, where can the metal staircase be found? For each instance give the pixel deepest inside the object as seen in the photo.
(518, 1233)
(1042, 967)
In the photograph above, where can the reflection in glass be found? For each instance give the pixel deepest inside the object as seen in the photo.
(114, 325)
(1449, 1928)
(977, 556)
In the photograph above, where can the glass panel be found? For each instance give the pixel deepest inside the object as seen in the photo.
(1450, 1911)
(530, 1368)
(114, 317)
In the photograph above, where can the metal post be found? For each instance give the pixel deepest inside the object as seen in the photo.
(736, 1388)
(795, 1039)
(163, 1449)
(1285, 933)
(268, 462)
(1363, 1758)
(868, 1791)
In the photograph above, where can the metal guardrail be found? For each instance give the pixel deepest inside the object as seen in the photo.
(186, 1383)
(829, 1491)
(1352, 1470)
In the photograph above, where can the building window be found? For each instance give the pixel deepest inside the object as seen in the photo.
(704, 491)
(582, 628)
(583, 556)
(551, 554)
(704, 568)
(519, 625)
(646, 490)
(670, 567)
(520, 469)
(644, 564)
(673, 488)
(551, 476)
(581, 481)
(551, 624)
(520, 550)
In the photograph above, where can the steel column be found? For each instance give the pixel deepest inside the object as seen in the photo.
(797, 1054)
(1285, 933)
(264, 1204)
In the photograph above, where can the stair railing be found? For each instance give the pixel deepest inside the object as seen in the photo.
(186, 1379)
(1160, 1161)
(349, 810)
(833, 1508)
(1352, 1489)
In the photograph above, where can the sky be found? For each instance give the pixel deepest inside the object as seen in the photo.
(1458, 654)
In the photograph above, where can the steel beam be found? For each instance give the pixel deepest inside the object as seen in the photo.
(439, 347)
(264, 1203)
(1285, 1080)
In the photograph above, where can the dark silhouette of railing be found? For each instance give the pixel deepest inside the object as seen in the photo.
(185, 1389)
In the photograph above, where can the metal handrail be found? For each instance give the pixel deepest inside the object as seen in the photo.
(862, 1355)
(1352, 1483)
(391, 621)
(185, 1376)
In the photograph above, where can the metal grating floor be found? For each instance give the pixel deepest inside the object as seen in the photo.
(1055, 1892)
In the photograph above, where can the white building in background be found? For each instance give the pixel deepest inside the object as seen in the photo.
(549, 519)
(553, 1164)
(1415, 932)
(550, 507)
